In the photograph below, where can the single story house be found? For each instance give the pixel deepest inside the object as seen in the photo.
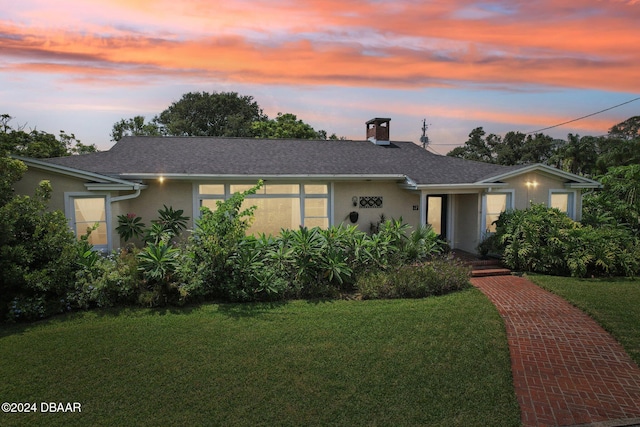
(306, 182)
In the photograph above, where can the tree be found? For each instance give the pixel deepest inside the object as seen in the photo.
(38, 144)
(618, 202)
(515, 148)
(621, 146)
(586, 155)
(224, 114)
(629, 129)
(617, 152)
(539, 148)
(211, 114)
(285, 126)
(578, 155)
(135, 127)
(11, 171)
(477, 147)
(37, 248)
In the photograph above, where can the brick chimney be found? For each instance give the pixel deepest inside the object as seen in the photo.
(378, 131)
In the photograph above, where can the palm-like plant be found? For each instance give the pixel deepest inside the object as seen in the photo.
(172, 221)
(130, 226)
(158, 261)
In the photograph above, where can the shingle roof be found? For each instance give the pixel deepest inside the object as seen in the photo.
(132, 156)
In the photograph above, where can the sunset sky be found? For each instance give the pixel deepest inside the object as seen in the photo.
(80, 66)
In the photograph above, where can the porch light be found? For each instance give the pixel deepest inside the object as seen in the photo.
(530, 184)
(161, 179)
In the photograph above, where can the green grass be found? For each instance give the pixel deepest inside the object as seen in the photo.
(438, 361)
(613, 303)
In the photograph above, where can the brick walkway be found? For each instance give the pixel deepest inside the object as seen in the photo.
(567, 370)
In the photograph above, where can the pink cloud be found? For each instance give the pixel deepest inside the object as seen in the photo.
(336, 42)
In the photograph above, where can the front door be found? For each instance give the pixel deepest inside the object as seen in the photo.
(437, 214)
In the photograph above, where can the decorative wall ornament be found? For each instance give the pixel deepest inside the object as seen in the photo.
(370, 202)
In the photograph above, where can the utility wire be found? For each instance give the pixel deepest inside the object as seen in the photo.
(583, 117)
(567, 122)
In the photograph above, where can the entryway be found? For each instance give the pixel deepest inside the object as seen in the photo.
(437, 213)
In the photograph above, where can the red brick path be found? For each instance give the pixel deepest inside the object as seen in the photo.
(567, 370)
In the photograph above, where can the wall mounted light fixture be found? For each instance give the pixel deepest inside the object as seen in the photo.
(354, 200)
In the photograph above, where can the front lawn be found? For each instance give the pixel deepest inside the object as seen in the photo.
(438, 361)
(614, 303)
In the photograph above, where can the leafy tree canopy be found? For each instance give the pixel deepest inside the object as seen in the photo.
(618, 202)
(583, 155)
(287, 126)
(38, 144)
(11, 170)
(225, 114)
(514, 149)
(211, 114)
(629, 129)
(197, 114)
(135, 126)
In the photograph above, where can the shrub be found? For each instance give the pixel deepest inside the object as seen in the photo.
(393, 246)
(489, 245)
(38, 256)
(158, 264)
(319, 259)
(535, 239)
(221, 262)
(545, 240)
(603, 251)
(170, 223)
(130, 226)
(24, 308)
(617, 202)
(436, 277)
(113, 280)
(207, 268)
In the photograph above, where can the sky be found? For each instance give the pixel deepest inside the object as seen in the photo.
(511, 65)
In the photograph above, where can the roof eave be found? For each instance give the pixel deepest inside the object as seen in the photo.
(98, 186)
(471, 187)
(578, 180)
(580, 185)
(76, 173)
(265, 177)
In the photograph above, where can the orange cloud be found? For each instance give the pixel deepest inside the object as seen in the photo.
(330, 42)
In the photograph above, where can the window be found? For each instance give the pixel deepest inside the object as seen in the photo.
(209, 194)
(273, 214)
(495, 204)
(316, 205)
(86, 212)
(563, 201)
(279, 206)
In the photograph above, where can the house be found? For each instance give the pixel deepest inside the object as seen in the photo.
(310, 183)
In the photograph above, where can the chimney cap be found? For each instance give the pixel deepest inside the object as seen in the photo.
(378, 120)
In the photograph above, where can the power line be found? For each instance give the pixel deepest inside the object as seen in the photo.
(583, 117)
(560, 124)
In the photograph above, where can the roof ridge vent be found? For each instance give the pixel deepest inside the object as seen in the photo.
(378, 131)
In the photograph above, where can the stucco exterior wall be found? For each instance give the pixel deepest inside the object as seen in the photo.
(467, 211)
(397, 203)
(175, 194)
(535, 188)
(60, 183)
